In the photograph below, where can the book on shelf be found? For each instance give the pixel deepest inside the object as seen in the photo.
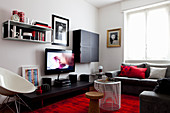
(38, 35)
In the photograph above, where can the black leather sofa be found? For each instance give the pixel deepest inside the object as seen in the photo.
(135, 85)
(151, 102)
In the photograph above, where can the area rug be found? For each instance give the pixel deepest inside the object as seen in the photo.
(80, 104)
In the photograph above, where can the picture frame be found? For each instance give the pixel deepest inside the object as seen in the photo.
(32, 74)
(60, 35)
(114, 37)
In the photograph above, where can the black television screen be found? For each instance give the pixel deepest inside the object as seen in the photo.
(59, 61)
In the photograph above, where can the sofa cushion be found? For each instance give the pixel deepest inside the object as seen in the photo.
(125, 71)
(148, 65)
(148, 82)
(163, 86)
(129, 81)
(137, 72)
(156, 72)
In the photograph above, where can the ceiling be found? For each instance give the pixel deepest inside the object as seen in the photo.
(101, 3)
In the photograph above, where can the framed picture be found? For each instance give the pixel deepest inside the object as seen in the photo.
(32, 74)
(60, 26)
(114, 37)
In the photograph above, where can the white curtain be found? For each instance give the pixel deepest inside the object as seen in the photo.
(147, 34)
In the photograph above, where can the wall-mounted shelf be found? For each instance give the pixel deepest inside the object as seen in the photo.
(39, 35)
(27, 40)
(21, 24)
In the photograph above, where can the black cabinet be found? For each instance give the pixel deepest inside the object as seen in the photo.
(85, 46)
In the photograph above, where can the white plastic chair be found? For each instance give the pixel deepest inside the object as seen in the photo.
(12, 84)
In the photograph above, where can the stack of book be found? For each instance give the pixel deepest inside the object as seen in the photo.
(39, 35)
(42, 24)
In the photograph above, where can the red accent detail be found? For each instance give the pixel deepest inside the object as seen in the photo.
(43, 25)
(14, 12)
(125, 70)
(42, 103)
(39, 91)
(33, 33)
(100, 70)
(21, 15)
(80, 104)
(137, 72)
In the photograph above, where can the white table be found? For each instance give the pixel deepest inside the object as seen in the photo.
(112, 94)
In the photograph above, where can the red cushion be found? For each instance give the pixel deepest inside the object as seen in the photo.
(125, 70)
(137, 72)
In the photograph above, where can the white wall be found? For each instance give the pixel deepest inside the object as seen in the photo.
(14, 54)
(111, 17)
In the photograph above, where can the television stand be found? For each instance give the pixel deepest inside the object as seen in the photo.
(56, 91)
(58, 76)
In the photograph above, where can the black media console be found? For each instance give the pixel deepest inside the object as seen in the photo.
(57, 91)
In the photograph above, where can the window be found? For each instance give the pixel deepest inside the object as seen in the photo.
(147, 34)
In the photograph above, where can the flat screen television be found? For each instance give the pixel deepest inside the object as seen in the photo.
(59, 61)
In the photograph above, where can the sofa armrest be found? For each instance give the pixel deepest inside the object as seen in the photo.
(112, 74)
(151, 102)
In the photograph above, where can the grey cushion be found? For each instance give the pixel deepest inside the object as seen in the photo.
(167, 75)
(148, 82)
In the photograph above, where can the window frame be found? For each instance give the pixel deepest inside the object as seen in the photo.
(126, 13)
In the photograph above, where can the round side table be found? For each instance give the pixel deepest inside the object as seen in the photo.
(112, 94)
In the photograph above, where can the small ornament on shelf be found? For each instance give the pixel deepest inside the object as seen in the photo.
(14, 33)
(20, 34)
(21, 16)
(39, 90)
(15, 16)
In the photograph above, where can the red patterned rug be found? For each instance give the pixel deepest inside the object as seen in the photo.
(80, 104)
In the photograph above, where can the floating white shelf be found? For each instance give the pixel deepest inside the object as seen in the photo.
(6, 30)
(24, 25)
(27, 40)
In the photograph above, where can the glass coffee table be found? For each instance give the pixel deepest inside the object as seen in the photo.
(112, 94)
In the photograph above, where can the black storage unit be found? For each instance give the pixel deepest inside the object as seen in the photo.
(85, 46)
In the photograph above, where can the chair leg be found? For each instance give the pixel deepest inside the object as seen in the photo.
(17, 100)
(16, 105)
(5, 102)
(22, 101)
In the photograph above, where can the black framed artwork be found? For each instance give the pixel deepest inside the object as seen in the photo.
(60, 35)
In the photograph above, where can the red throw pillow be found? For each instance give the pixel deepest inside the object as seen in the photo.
(125, 70)
(137, 72)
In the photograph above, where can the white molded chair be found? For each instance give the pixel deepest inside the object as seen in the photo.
(11, 84)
